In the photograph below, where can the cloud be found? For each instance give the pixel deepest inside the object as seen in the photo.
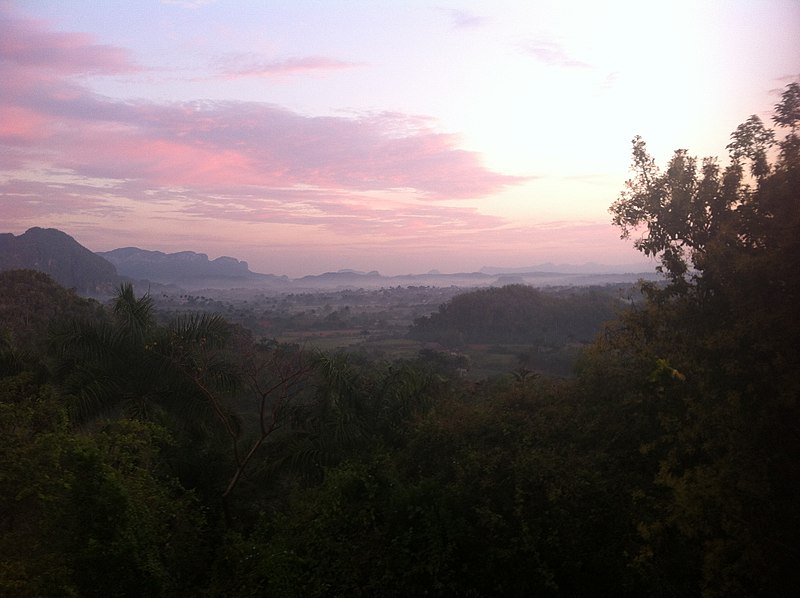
(236, 66)
(24, 200)
(345, 215)
(462, 19)
(224, 143)
(67, 150)
(26, 43)
(610, 80)
(59, 121)
(553, 54)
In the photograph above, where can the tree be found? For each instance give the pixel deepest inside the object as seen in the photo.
(129, 364)
(717, 355)
(474, 489)
(30, 302)
(89, 513)
(275, 377)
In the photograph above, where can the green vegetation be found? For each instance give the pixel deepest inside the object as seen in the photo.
(164, 452)
(517, 314)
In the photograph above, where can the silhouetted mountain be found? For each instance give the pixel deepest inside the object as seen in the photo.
(97, 274)
(187, 269)
(60, 256)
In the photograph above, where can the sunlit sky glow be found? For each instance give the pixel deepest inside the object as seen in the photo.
(306, 136)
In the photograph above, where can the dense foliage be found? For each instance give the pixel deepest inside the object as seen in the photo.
(31, 302)
(719, 348)
(516, 314)
(149, 458)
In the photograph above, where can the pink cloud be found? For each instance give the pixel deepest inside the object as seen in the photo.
(239, 66)
(25, 200)
(345, 214)
(257, 144)
(61, 122)
(20, 124)
(58, 120)
(29, 44)
(154, 161)
(72, 156)
(553, 54)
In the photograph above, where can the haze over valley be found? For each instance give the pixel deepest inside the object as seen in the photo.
(58, 254)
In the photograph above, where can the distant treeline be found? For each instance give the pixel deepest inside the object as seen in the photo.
(518, 314)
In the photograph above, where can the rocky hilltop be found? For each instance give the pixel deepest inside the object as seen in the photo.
(60, 256)
(187, 269)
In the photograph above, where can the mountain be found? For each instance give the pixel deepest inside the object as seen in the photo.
(97, 274)
(187, 269)
(193, 271)
(57, 254)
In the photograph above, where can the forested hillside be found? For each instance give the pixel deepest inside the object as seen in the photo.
(518, 314)
(32, 303)
(142, 457)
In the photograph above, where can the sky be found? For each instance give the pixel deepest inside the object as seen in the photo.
(306, 136)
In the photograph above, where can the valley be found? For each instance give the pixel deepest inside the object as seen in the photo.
(375, 324)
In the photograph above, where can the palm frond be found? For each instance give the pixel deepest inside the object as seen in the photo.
(90, 395)
(135, 316)
(85, 341)
(209, 330)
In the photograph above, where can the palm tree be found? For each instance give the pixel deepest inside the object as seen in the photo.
(129, 365)
(352, 409)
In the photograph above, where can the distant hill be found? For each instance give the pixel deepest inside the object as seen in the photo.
(187, 269)
(60, 256)
(97, 274)
(517, 314)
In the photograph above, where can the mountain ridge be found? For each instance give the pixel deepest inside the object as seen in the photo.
(97, 273)
(185, 267)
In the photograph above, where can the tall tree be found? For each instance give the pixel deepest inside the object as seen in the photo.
(717, 347)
